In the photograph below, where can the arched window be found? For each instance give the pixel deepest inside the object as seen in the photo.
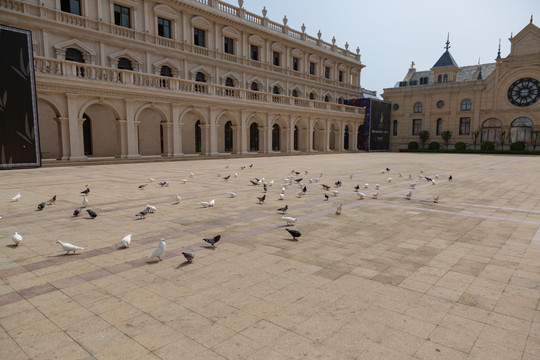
(228, 136)
(326, 98)
(311, 96)
(254, 86)
(229, 82)
(74, 55)
(521, 129)
(394, 128)
(346, 138)
(445, 78)
(200, 77)
(87, 135)
(295, 138)
(491, 128)
(124, 64)
(254, 137)
(466, 105)
(439, 79)
(166, 71)
(417, 108)
(198, 136)
(275, 137)
(439, 127)
(294, 93)
(340, 100)
(276, 90)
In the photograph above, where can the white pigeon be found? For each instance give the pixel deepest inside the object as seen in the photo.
(400, 174)
(271, 183)
(436, 199)
(160, 250)
(389, 180)
(377, 186)
(433, 182)
(151, 209)
(17, 239)
(208, 203)
(290, 220)
(1, 216)
(151, 179)
(383, 171)
(375, 195)
(69, 247)
(408, 195)
(16, 197)
(281, 196)
(235, 175)
(361, 195)
(422, 171)
(232, 194)
(338, 209)
(85, 201)
(126, 241)
(283, 189)
(184, 181)
(299, 194)
(212, 202)
(335, 192)
(366, 186)
(436, 176)
(191, 174)
(412, 185)
(178, 198)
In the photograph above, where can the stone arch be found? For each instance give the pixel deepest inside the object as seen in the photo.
(193, 140)
(332, 136)
(318, 135)
(101, 128)
(300, 140)
(50, 129)
(227, 132)
(152, 129)
(255, 133)
(283, 134)
(100, 101)
(491, 129)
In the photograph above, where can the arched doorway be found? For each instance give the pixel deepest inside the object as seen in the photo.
(295, 138)
(521, 129)
(275, 137)
(346, 138)
(161, 136)
(332, 138)
(228, 136)
(87, 135)
(254, 137)
(198, 136)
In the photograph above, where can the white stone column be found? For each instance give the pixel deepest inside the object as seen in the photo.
(132, 133)
(326, 140)
(205, 138)
(244, 131)
(168, 145)
(76, 141)
(176, 132)
(65, 150)
(263, 140)
(213, 132)
(353, 138)
(284, 140)
(121, 126)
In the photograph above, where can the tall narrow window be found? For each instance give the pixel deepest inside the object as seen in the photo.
(164, 27)
(439, 127)
(275, 58)
(254, 137)
(228, 136)
(254, 86)
(464, 125)
(445, 78)
(327, 72)
(394, 128)
(521, 130)
(254, 52)
(312, 68)
(199, 37)
(228, 46)
(439, 79)
(200, 77)
(311, 96)
(71, 6)
(275, 90)
(340, 76)
(122, 16)
(295, 93)
(295, 63)
(416, 126)
(198, 136)
(326, 98)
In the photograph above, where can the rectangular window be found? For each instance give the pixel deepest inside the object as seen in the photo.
(423, 80)
(122, 16)
(312, 68)
(295, 63)
(229, 46)
(254, 52)
(464, 126)
(413, 82)
(199, 37)
(164, 27)
(327, 72)
(71, 6)
(340, 76)
(403, 83)
(416, 126)
(275, 58)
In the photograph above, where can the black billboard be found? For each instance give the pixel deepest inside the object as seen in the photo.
(19, 137)
(374, 133)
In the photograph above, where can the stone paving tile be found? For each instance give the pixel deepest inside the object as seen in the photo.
(387, 279)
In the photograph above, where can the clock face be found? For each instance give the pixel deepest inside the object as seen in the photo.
(524, 92)
(440, 104)
(396, 106)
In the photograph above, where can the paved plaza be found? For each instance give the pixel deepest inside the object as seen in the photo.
(388, 278)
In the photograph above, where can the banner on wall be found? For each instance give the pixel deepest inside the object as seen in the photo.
(19, 136)
(374, 133)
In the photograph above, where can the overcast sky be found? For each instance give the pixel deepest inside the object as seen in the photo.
(392, 33)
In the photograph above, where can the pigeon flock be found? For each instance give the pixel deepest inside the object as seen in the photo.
(290, 181)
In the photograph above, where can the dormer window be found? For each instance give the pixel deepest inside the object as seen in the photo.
(445, 78)
(439, 79)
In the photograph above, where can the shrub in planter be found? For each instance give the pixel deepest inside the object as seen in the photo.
(413, 145)
(460, 145)
(517, 146)
(487, 146)
(434, 145)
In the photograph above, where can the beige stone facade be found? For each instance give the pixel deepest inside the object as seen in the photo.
(128, 78)
(497, 99)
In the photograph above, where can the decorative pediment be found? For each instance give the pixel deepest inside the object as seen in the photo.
(255, 79)
(232, 75)
(136, 61)
(176, 69)
(278, 47)
(200, 22)
(314, 58)
(255, 39)
(165, 11)
(297, 53)
(230, 32)
(202, 69)
(526, 42)
(89, 54)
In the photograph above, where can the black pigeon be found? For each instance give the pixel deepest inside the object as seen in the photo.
(227, 177)
(284, 209)
(450, 178)
(52, 200)
(295, 233)
(427, 178)
(92, 213)
(41, 206)
(163, 183)
(325, 187)
(305, 172)
(212, 241)
(143, 213)
(254, 182)
(77, 211)
(387, 169)
(304, 189)
(142, 186)
(297, 172)
(251, 165)
(298, 180)
(242, 167)
(189, 256)
(338, 183)
(264, 187)
(261, 199)
(326, 197)
(356, 188)
(85, 192)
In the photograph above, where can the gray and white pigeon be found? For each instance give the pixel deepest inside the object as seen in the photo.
(339, 208)
(77, 211)
(408, 195)
(261, 199)
(92, 213)
(41, 206)
(69, 247)
(85, 201)
(143, 213)
(189, 256)
(213, 240)
(294, 233)
(142, 186)
(151, 209)
(159, 251)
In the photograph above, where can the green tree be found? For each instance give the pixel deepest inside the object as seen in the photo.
(535, 138)
(424, 137)
(446, 135)
(475, 135)
(503, 137)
